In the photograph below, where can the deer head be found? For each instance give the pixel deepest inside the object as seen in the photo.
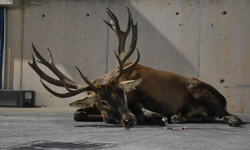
(110, 97)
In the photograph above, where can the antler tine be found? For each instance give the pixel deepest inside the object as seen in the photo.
(122, 70)
(42, 74)
(50, 65)
(68, 94)
(129, 67)
(94, 88)
(118, 72)
(63, 81)
(51, 57)
(131, 49)
(121, 35)
(124, 55)
(114, 25)
(71, 92)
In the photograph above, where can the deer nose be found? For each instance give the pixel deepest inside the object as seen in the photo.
(129, 122)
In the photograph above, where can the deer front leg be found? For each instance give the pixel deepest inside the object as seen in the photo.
(89, 114)
(155, 117)
(145, 116)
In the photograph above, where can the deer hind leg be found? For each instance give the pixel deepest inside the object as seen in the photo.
(214, 102)
(178, 118)
(194, 115)
(89, 114)
(232, 120)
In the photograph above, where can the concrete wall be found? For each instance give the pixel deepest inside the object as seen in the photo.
(208, 40)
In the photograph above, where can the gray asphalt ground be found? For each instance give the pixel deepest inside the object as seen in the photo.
(54, 129)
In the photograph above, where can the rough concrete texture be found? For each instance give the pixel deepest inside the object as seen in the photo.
(54, 128)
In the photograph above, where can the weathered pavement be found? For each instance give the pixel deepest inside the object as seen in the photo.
(54, 129)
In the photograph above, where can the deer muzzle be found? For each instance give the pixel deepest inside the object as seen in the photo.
(128, 120)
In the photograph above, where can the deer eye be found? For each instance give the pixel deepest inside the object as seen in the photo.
(104, 103)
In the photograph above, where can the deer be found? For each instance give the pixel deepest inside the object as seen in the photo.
(153, 97)
(109, 96)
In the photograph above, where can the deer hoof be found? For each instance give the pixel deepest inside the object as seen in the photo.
(163, 121)
(80, 115)
(176, 119)
(232, 120)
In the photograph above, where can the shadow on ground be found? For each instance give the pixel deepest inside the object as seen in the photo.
(62, 145)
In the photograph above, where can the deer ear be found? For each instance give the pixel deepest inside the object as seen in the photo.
(86, 102)
(130, 84)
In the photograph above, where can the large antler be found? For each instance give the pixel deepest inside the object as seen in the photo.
(122, 36)
(63, 81)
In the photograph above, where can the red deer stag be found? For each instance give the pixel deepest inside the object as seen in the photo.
(109, 96)
(167, 94)
(159, 94)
